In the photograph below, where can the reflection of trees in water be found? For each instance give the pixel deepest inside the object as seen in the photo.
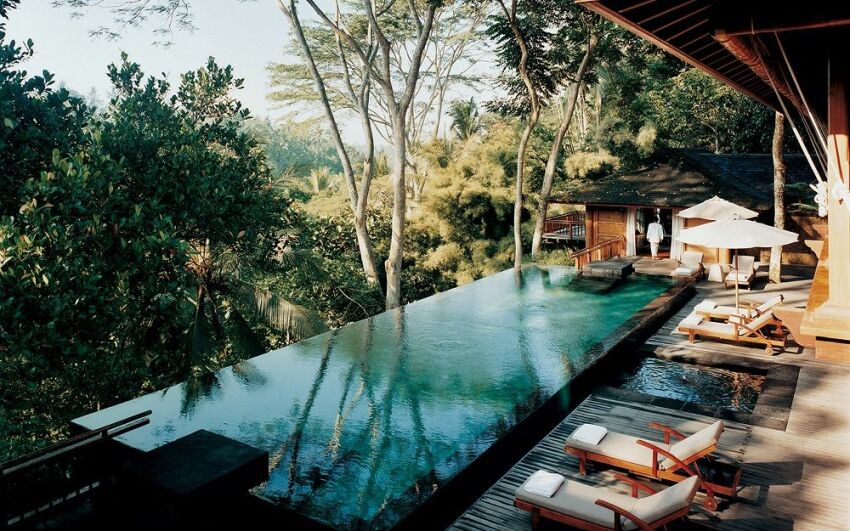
(377, 432)
(523, 347)
(365, 386)
(204, 386)
(293, 442)
(398, 378)
(743, 387)
(248, 375)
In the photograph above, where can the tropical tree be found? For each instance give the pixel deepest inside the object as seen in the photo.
(398, 103)
(775, 270)
(579, 35)
(515, 32)
(36, 118)
(136, 257)
(465, 119)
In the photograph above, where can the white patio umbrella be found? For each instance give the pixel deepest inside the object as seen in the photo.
(717, 208)
(737, 233)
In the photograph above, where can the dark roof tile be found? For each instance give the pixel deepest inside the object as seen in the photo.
(690, 177)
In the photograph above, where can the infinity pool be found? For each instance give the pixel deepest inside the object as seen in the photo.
(364, 423)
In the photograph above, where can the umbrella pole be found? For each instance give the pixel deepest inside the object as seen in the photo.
(736, 281)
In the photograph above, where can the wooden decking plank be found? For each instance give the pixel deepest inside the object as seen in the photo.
(774, 497)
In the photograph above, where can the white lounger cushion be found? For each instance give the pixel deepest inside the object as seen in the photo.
(691, 260)
(712, 308)
(619, 446)
(667, 501)
(684, 271)
(625, 447)
(579, 501)
(696, 443)
(742, 277)
(691, 321)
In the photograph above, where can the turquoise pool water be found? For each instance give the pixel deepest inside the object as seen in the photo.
(363, 423)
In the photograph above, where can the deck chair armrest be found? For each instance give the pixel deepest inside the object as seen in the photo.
(620, 512)
(679, 464)
(634, 484)
(667, 431)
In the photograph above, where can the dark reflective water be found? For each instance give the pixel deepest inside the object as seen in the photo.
(694, 383)
(365, 422)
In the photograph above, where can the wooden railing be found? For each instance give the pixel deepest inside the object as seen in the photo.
(569, 226)
(39, 481)
(600, 251)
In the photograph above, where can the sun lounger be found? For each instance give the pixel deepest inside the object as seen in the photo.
(745, 274)
(689, 266)
(658, 460)
(710, 310)
(585, 507)
(737, 329)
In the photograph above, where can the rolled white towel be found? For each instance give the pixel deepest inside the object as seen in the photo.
(705, 306)
(589, 433)
(544, 483)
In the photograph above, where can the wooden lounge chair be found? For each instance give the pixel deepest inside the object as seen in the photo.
(710, 310)
(662, 461)
(584, 507)
(690, 266)
(737, 329)
(745, 274)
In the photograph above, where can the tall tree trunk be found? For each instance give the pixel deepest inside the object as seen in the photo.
(441, 96)
(552, 162)
(393, 263)
(534, 115)
(775, 271)
(363, 241)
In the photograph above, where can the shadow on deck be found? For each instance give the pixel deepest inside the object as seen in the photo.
(494, 510)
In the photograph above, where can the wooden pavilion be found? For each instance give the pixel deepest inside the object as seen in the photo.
(793, 58)
(621, 205)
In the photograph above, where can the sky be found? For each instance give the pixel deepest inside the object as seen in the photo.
(247, 35)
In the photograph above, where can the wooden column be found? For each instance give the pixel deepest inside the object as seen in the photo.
(831, 321)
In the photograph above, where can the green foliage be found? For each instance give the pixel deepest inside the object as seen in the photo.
(465, 119)
(695, 110)
(35, 119)
(126, 266)
(591, 165)
(555, 32)
(295, 148)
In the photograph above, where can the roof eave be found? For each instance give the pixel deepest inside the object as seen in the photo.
(604, 11)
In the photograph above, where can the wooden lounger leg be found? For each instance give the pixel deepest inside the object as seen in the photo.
(535, 519)
(692, 335)
(710, 502)
(582, 463)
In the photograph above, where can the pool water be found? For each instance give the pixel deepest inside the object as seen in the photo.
(363, 423)
(710, 386)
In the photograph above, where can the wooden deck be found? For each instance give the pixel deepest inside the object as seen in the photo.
(788, 481)
(671, 344)
(794, 478)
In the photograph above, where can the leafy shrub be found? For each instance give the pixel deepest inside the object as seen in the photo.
(591, 165)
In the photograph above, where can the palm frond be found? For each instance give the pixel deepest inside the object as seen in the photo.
(203, 345)
(242, 337)
(293, 319)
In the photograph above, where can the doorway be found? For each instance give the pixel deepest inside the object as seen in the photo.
(645, 216)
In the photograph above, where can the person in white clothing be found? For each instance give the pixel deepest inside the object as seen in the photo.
(655, 235)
